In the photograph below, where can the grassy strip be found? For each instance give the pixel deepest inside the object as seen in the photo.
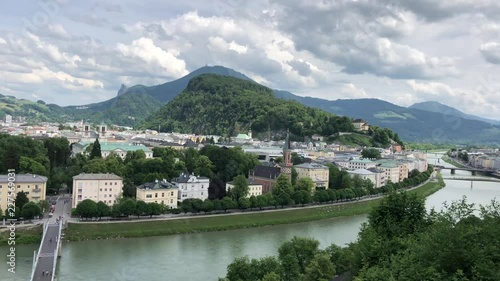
(452, 162)
(93, 231)
(24, 235)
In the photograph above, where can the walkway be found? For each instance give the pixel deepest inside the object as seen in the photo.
(46, 258)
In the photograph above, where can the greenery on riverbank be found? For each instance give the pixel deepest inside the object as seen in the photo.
(24, 235)
(452, 162)
(401, 241)
(92, 231)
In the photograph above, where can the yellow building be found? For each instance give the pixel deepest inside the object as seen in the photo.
(33, 185)
(254, 188)
(161, 192)
(318, 173)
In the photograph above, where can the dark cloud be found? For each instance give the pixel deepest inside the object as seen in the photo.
(491, 52)
(301, 67)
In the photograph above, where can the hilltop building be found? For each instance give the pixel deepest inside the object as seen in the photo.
(119, 148)
(361, 125)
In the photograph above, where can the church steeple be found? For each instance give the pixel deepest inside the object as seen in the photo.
(287, 151)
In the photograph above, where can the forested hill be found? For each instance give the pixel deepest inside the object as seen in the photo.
(223, 105)
(226, 106)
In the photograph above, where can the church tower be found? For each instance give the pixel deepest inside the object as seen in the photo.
(286, 167)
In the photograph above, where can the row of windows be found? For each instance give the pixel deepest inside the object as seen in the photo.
(156, 195)
(19, 186)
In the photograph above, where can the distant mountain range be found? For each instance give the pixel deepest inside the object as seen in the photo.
(423, 122)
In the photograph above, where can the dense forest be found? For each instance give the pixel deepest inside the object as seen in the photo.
(222, 105)
(401, 241)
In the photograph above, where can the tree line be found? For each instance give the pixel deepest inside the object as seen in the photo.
(401, 241)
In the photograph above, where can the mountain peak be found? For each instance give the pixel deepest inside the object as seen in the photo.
(122, 90)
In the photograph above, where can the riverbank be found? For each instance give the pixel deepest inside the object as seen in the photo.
(452, 162)
(95, 231)
(30, 234)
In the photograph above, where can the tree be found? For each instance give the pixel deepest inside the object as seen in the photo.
(272, 276)
(186, 206)
(399, 214)
(305, 184)
(140, 208)
(320, 268)
(103, 210)
(127, 207)
(30, 210)
(244, 203)
(217, 205)
(282, 185)
(297, 254)
(227, 203)
(96, 150)
(284, 199)
(1, 213)
(87, 209)
(253, 201)
(240, 188)
(261, 202)
(204, 167)
(208, 206)
(371, 153)
(154, 209)
(21, 199)
(294, 176)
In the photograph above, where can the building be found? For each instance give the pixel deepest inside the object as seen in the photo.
(8, 119)
(377, 177)
(191, 187)
(118, 148)
(361, 125)
(33, 185)
(254, 188)
(161, 192)
(391, 171)
(286, 167)
(97, 187)
(243, 138)
(361, 164)
(266, 175)
(318, 173)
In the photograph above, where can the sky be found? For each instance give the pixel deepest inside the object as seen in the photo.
(72, 52)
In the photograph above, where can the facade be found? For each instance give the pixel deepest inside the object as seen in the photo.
(266, 175)
(361, 125)
(318, 173)
(33, 185)
(161, 192)
(119, 148)
(254, 188)
(97, 187)
(191, 187)
(391, 171)
(361, 164)
(379, 177)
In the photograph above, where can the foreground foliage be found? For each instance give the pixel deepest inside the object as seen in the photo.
(401, 241)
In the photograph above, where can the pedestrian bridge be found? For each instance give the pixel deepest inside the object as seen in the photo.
(45, 260)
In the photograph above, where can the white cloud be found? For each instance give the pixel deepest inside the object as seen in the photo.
(352, 92)
(491, 52)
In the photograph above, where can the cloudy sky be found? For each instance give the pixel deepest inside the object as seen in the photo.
(403, 51)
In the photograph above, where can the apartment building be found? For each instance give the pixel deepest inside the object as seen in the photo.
(96, 187)
(318, 173)
(161, 192)
(34, 186)
(191, 187)
(254, 188)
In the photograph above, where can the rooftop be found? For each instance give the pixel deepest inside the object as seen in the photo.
(311, 166)
(363, 161)
(164, 184)
(91, 176)
(185, 177)
(361, 172)
(24, 178)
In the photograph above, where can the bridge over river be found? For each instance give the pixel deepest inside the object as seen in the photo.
(474, 171)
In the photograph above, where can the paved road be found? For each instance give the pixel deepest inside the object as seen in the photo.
(49, 244)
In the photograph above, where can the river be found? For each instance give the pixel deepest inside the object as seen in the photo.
(205, 256)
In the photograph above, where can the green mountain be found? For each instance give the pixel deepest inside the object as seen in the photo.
(435, 106)
(33, 111)
(411, 124)
(127, 109)
(223, 105)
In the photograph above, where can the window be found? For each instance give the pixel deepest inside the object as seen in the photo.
(171, 201)
(79, 197)
(110, 189)
(18, 186)
(149, 195)
(80, 190)
(104, 195)
(202, 193)
(172, 193)
(0, 186)
(162, 194)
(162, 202)
(105, 183)
(100, 189)
(116, 183)
(156, 195)
(105, 189)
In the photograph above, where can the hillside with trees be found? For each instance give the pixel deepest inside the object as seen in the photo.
(222, 105)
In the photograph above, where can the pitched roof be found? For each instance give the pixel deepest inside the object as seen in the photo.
(111, 146)
(361, 172)
(266, 172)
(185, 177)
(84, 176)
(23, 178)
